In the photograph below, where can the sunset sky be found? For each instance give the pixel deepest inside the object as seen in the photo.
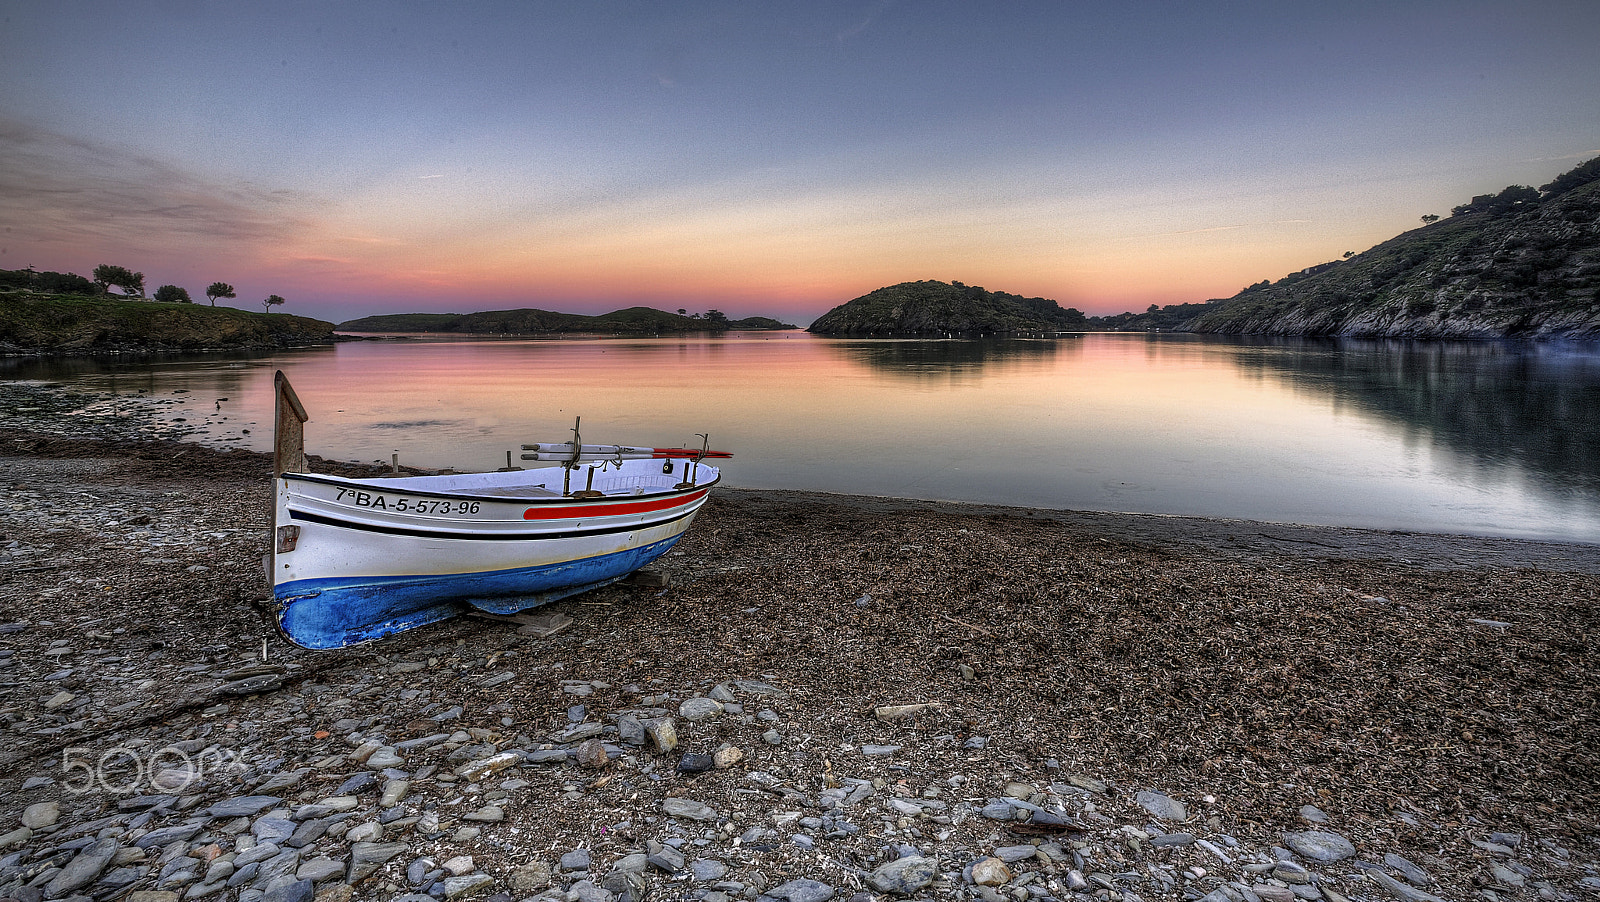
(763, 158)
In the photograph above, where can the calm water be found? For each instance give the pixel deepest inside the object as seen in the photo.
(1468, 438)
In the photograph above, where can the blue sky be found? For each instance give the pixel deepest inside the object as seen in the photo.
(772, 159)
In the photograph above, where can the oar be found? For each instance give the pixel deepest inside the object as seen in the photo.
(643, 454)
(563, 451)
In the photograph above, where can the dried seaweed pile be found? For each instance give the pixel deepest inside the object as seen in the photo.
(1274, 684)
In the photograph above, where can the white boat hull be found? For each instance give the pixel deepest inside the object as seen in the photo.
(358, 559)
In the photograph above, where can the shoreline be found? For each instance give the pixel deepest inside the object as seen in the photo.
(1224, 535)
(1327, 724)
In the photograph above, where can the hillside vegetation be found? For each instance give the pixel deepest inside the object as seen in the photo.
(528, 321)
(940, 308)
(38, 322)
(1523, 263)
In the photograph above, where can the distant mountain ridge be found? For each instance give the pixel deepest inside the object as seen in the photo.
(945, 308)
(1523, 263)
(529, 321)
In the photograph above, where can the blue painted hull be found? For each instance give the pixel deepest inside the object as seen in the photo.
(336, 612)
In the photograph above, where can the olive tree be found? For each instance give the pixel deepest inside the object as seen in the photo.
(131, 283)
(220, 290)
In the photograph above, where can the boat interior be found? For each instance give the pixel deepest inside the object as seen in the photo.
(630, 477)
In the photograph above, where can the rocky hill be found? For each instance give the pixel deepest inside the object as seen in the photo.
(529, 321)
(940, 308)
(1523, 263)
(34, 323)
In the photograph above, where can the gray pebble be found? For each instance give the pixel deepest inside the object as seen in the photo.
(1415, 875)
(43, 814)
(242, 806)
(1012, 854)
(802, 890)
(83, 868)
(244, 874)
(1162, 806)
(687, 808)
(356, 784)
(1320, 845)
(367, 857)
(904, 875)
(699, 708)
(466, 885)
(289, 891)
(319, 869)
(668, 859)
(1291, 873)
(707, 869)
(165, 835)
(588, 891)
(273, 829)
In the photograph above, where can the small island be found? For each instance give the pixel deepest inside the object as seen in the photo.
(529, 321)
(933, 308)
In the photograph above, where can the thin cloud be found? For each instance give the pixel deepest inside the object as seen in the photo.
(1584, 155)
(1226, 228)
(871, 16)
(69, 190)
(1199, 231)
(438, 176)
(322, 262)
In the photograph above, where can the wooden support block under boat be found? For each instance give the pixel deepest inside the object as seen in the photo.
(651, 579)
(541, 626)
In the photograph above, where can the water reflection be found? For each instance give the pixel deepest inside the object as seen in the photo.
(69, 369)
(1497, 405)
(953, 360)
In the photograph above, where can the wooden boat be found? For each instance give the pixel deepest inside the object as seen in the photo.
(357, 559)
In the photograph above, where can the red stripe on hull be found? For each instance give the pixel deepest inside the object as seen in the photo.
(609, 510)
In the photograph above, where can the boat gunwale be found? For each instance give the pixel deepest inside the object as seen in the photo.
(487, 536)
(503, 499)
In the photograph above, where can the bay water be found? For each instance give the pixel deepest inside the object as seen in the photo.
(1474, 438)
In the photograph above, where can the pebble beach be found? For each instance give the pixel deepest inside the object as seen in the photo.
(819, 697)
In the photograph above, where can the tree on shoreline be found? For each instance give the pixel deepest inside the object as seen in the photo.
(131, 283)
(271, 302)
(172, 294)
(220, 290)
